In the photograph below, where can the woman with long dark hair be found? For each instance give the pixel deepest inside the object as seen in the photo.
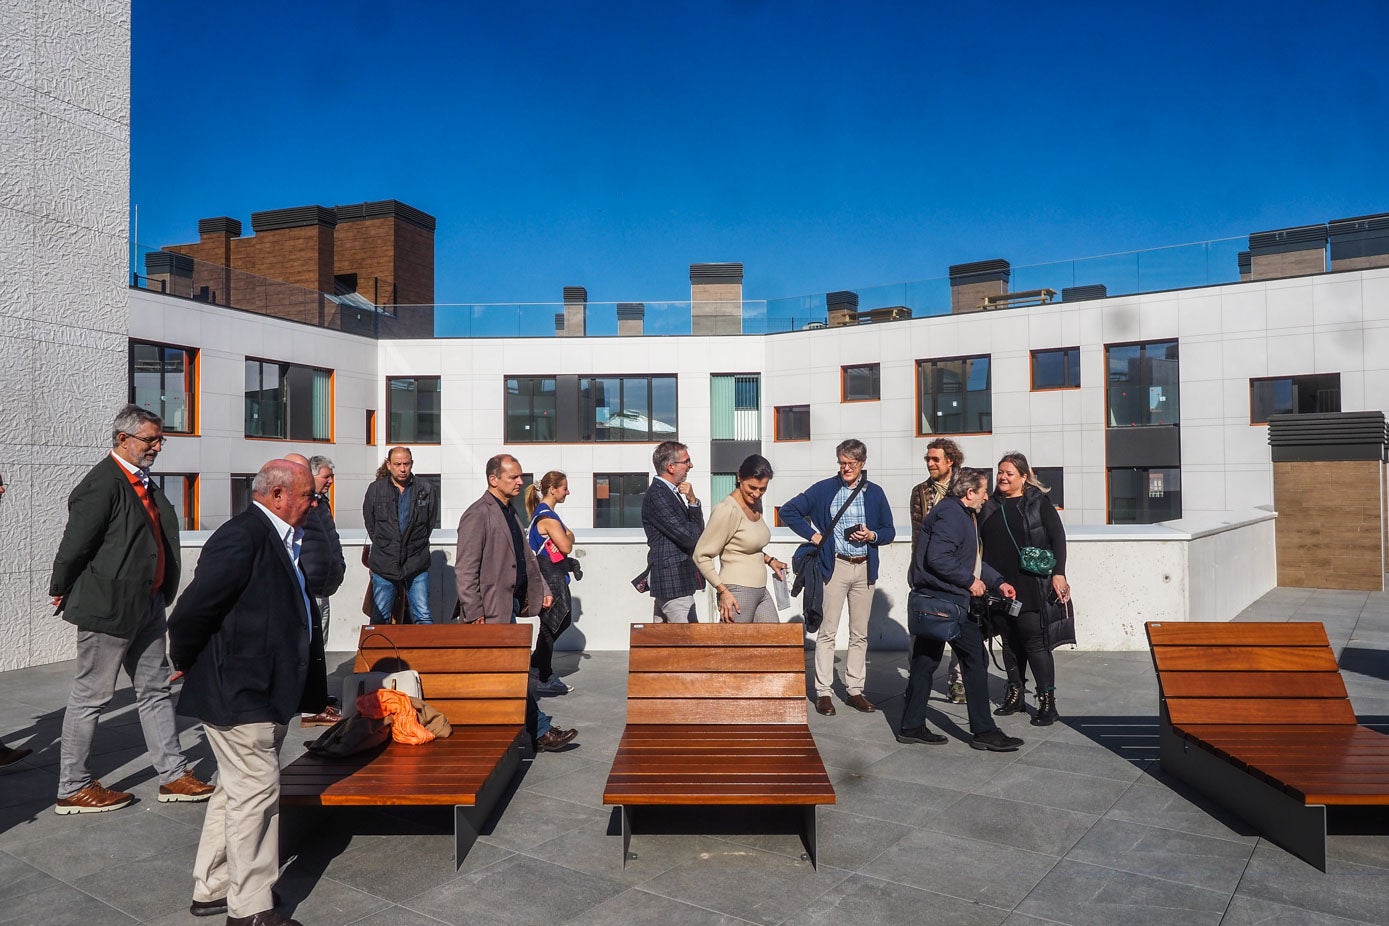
(552, 543)
(1020, 519)
(738, 534)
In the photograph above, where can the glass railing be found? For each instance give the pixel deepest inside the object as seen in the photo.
(1205, 263)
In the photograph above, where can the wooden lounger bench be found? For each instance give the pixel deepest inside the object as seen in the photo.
(476, 675)
(1256, 716)
(716, 716)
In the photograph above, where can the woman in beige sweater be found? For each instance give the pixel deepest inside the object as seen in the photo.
(737, 534)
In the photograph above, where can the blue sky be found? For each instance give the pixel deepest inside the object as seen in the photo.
(825, 145)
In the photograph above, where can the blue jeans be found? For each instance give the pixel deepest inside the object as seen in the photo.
(383, 592)
(537, 721)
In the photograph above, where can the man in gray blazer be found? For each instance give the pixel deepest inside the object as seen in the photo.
(498, 577)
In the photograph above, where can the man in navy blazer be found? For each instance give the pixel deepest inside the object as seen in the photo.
(849, 563)
(245, 634)
(673, 521)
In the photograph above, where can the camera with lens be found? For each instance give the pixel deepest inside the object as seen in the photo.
(1010, 606)
(848, 531)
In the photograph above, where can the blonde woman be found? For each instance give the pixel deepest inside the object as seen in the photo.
(737, 533)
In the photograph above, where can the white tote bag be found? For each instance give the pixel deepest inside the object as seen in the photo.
(406, 681)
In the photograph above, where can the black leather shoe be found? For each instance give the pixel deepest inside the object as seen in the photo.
(208, 907)
(270, 917)
(920, 734)
(824, 705)
(995, 741)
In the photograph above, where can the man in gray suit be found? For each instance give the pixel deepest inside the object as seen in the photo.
(116, 571)
(498, 577)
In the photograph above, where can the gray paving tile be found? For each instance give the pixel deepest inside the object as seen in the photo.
(1088, 895)
(590, 848)
(516, 891)
(1046, 830)
(1154, 801)
(395, 868)
(865, 901)
(1248, 911)
(641, 908)
(851, 753)
(966, 869)
(1086, 758)
(314, 899)
(394, 916)
(578, 782)
(1202, 861)
(1355, 892)
(530, 819)
(165, 885)
(17, 877)
(952, 765)
(82, 844)
(61, 905)
(905, 802)
(761, 887)
(1048, 787)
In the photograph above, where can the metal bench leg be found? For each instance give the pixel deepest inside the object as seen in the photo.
(626, 815)
(1297, 827)
(465, 832)
(808, 834)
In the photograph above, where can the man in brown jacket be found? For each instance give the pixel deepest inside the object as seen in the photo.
(498, 577)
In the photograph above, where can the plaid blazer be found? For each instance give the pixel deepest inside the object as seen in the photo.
(672, 529)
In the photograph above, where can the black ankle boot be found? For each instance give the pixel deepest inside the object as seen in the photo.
(1012, 702)
(1046, 709)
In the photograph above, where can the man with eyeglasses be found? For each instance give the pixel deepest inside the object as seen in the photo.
(673, 520)
(116, 571)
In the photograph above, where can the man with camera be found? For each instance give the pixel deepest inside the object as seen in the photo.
(849, 518)
(947, 572)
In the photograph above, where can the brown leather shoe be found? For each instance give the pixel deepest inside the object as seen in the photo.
(859, 703)
(330, 716)
(93, 799)
(186, 788)
(270, 917)
(554, 739)
(825, 705)
(208, 907)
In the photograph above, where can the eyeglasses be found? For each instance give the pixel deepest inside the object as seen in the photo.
(159, 439)
(684, 462)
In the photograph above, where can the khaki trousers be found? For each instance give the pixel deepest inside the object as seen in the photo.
(848, 581)
(239, 852)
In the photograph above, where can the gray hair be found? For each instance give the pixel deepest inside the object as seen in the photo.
(966, 479)
(129, 419)
(319, 462)
(277, 474)
(853, 448)
(665, 454)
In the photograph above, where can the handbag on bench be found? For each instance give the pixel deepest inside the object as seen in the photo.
(357, 684)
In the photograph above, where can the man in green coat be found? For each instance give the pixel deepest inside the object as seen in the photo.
(116, 571)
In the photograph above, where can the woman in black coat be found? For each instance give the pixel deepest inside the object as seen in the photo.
(1019, 515)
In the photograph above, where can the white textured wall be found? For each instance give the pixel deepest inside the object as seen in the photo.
(64, 194)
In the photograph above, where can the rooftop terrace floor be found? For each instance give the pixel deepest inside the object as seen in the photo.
(1079, 827)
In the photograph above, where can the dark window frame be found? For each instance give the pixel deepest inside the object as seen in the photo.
(1054, 478)
(530, 416)
(191, 374)
(287, 401)
(778, 434)
(602, 518)
(1142, 505)
(1068, 368)
(395, 417)
(1145, 381)
(588, 409)
(1315, 397)
(967, 373)
(876, 378)
(188, 498)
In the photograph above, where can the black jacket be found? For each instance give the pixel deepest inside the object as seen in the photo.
(250, 652)
(106, 559)
(672, 530)
(1041, 527)
(395, 555)
(945, 552)
(321, 555)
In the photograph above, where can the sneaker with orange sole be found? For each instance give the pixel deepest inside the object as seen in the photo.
(93, 799)
(188, 787)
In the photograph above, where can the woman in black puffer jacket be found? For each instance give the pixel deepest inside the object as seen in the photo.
(1018, 515)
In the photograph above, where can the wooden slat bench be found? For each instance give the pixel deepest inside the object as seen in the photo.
(1256, 715)
(476, 675)
(716, 715)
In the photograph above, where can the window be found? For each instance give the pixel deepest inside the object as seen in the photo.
(182, 492)
(1053, 477)
(862, 383)
(437, 485)
(1293, 395)
(371, 427)
(1142, 389)
(413, 410)
(1056, 369)
(721, 486)
(793, 422)
(518, 503)
(1144, 496)
(288, 401)
(955, 396)
(530, 409)
(635, 409)
(617, 499)
(735, 406)
(164, 380)
(241, 492)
